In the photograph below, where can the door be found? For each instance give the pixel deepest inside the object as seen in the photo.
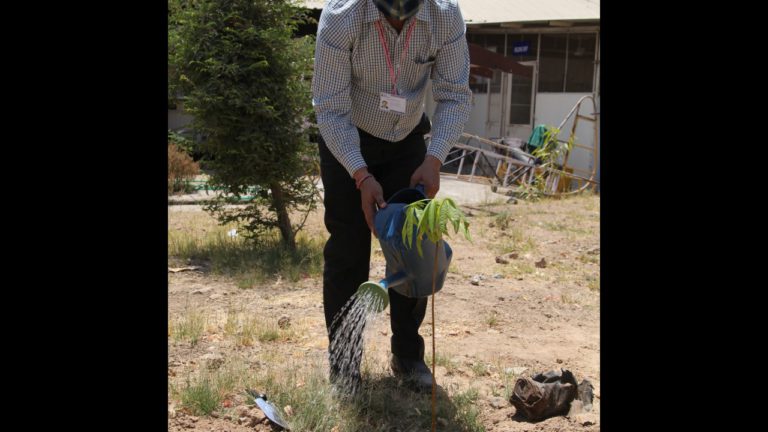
(495, 120)
(520, 94)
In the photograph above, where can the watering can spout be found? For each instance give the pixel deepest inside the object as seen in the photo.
(379, 291)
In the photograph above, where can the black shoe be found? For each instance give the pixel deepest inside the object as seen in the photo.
(415, 371)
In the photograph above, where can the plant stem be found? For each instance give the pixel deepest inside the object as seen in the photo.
(434, 359)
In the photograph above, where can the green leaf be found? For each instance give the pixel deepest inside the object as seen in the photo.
(433, 229)
(407, 231)
(430, 218)
(423, 216)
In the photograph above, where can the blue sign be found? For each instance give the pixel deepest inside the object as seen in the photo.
(521, 48)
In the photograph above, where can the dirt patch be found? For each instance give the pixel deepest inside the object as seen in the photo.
(496, 319)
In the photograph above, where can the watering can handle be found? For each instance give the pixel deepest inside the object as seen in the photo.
(420, 188)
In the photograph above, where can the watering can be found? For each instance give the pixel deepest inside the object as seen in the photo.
(407, 273)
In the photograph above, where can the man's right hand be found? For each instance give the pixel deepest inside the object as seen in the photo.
(371, 195)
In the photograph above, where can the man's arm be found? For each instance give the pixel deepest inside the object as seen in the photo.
(450, 87)
(331, 98)
(331, 90)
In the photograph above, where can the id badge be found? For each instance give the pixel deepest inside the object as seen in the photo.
(390, 102)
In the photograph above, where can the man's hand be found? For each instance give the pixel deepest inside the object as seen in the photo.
(428, 174)
(371, 195)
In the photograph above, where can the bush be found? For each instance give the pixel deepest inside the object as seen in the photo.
(181, 169)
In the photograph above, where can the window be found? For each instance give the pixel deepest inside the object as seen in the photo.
(491, 42)
(552, 62)
(520, 103)
(521, 47)
(567, 62)
(581, 63)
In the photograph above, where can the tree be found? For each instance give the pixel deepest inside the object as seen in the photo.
(246, 81)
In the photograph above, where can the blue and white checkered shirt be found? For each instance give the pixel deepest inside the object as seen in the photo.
(351, 72)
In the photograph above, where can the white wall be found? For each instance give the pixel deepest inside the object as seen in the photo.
(519, 131)
(479, 115)
(551, 108)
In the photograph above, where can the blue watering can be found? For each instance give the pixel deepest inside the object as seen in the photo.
(407, 273)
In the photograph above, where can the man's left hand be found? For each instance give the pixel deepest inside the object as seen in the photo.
(428, 174)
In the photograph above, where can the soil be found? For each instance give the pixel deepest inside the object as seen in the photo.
(534, 309)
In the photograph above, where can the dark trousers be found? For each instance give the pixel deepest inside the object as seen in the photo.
(348, 250)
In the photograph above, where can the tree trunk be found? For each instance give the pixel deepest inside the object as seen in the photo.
(283, 220)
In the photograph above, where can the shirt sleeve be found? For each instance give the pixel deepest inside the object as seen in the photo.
(331, 91)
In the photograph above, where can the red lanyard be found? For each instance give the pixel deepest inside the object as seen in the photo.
(392, 74)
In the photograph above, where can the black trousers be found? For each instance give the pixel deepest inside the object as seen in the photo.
(348, 250)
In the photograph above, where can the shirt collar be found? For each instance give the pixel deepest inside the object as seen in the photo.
(373, 14)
